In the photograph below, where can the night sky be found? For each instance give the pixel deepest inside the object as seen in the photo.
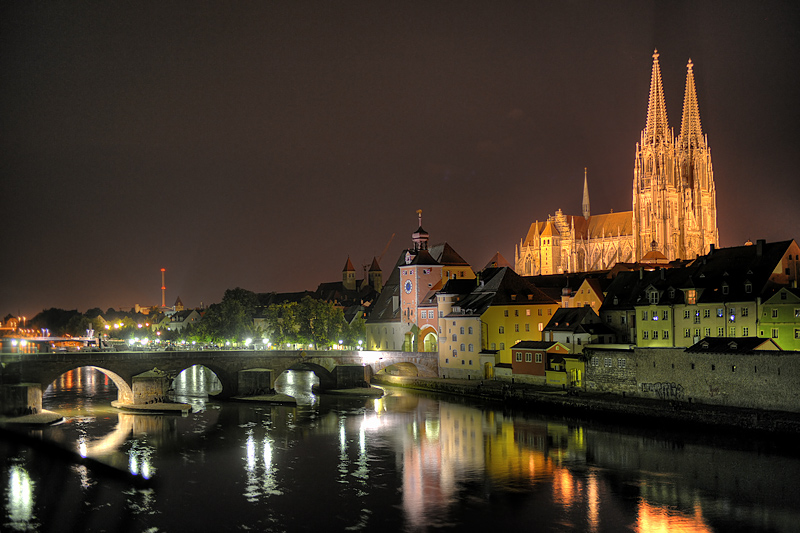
(258, 144)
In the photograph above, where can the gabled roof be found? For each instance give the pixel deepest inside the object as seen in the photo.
(571, 319)
(620, 223)
(423, 257)
(737, 345)
(502, 286)
(497, 261)
(537, 345)
(446, 255)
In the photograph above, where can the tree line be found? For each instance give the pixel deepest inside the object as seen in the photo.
(239, 316)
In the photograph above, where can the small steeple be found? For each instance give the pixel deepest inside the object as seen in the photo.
(420, 237)
(691, 137)
(349, 275)
(656, 129)
(585, 195)
(375, 275)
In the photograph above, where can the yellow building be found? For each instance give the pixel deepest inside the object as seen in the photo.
(478, 325)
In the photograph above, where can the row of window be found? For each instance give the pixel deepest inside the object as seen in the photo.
(501, 330)
(471, 348)
(463, 361)
(528, 312)
(528, 357)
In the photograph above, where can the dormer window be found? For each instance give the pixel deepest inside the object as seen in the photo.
(725, 288)
(691, 296)
(671, 292)
(748, 287)
(616, 300)
(652, 296)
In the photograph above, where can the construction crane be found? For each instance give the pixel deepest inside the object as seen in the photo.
(386, 248)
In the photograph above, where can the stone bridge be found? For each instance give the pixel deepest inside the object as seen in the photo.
(331, 367)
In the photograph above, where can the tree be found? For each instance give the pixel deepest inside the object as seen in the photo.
(232, 318)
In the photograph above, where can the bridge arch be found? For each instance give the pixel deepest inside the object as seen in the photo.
(326, 378)
(124, 390)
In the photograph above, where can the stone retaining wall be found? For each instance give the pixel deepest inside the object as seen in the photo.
(765, 380)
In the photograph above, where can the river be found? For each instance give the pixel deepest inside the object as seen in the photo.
(410, 461)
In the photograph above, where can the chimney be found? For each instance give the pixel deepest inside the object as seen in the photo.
(641, 272)
(711, 248)
(760, 247)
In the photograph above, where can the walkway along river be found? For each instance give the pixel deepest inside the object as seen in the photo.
(410, 461)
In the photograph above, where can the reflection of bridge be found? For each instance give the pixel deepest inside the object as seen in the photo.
(122, 367)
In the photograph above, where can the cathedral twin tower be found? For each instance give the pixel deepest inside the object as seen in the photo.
(674, 212)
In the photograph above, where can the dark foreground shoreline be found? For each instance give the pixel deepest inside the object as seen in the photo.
(606, 407)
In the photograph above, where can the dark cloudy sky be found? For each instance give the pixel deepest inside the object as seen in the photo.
(258, 144)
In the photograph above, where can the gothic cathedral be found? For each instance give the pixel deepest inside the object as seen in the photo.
(674, 212)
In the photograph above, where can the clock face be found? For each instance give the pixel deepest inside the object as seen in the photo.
(409, 286)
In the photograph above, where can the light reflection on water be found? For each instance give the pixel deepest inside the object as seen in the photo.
(407, 461)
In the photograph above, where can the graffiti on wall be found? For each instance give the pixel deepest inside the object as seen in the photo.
(664, 390)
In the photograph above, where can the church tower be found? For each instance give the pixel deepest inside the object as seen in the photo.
(656, 195)
(696, 177)
(349, 275)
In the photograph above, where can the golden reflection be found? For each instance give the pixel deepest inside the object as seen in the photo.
(654, 519)
(19, 496)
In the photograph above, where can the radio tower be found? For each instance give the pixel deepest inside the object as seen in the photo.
(163, 288)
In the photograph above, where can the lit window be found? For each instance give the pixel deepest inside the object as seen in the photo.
(528, 312)
(691, 296)
(720, 312)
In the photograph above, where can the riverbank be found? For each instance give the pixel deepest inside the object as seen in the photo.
(610, 408)
(42, 418)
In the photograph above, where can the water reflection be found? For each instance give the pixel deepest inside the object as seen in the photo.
(407, 461)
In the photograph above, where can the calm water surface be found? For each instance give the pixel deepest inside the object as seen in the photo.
(407, 462)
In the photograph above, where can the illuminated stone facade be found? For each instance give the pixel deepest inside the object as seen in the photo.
(674, 202)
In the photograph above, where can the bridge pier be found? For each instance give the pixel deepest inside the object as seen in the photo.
(20, 399)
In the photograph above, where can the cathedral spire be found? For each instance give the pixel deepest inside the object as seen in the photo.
(657, 129)
(691, 136)
(585, 195)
